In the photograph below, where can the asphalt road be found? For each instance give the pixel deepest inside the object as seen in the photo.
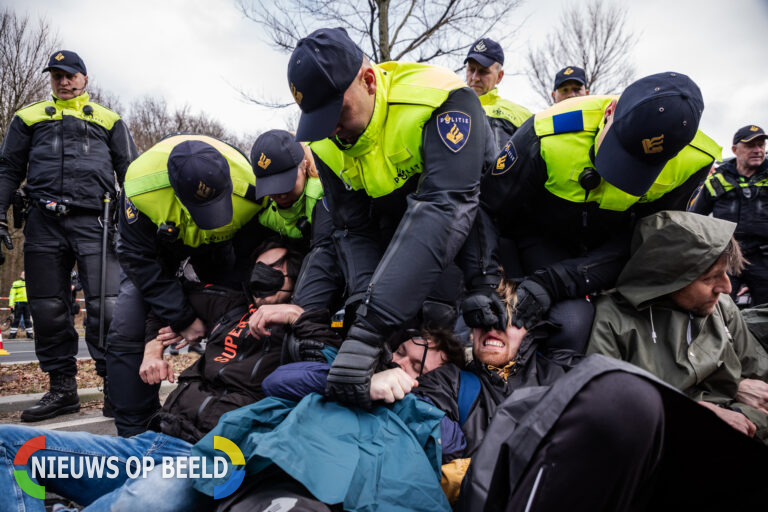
(23, 350)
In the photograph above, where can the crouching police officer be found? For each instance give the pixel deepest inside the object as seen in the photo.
(185, 197)
(570, 184)
(286, 173)
(72, 153)
(400, 175)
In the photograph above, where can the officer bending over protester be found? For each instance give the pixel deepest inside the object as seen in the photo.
(671, 315)
(573, 179)
(399, 148)
(222, 380)
(598, 435)
(286, 173)
(185, 197)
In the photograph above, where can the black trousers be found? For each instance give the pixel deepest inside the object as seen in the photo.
(21, 315)
(623, 444)
(133, 401)
(52, 246)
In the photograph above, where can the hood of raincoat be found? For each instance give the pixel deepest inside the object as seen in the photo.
(670, 250)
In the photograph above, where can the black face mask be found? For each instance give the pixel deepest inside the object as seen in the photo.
(265, 281)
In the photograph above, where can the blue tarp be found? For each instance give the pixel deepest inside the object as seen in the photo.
(386, 459)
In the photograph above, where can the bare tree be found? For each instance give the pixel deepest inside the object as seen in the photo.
(594, 37)
(24, 50)
(25, 46)
(436, 31)
(104, 97)
(150, 120)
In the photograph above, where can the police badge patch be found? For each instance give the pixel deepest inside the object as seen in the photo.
(505, 160)
(131, 213)
(453, 128)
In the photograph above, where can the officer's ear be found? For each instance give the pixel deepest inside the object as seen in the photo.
(609, 110)
(501, 75)
(369, 79)
(553, 97)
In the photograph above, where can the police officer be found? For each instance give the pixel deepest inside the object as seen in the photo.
(72, 153)
(399, 148)
(736, 191)
(485, 62)
(286, 174)
(185, 197)
(17, 301)
(570, 183)
(570, 82)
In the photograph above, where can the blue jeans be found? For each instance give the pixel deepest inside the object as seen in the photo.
(153, 493)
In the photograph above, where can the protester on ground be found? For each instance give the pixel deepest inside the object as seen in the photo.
(735, 191)
(73, 154)
(185, 197)
(571, 182)
(227, 376)
(485, 70)
(570, 82)
(672, 316)
(17, 301)
(400, 158)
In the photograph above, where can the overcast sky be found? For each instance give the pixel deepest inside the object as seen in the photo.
(200, 51)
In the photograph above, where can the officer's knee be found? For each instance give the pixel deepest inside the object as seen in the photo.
(56, 315)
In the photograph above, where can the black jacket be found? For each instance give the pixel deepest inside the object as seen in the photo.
(152, 264)
(410, 235)
(69, 160)
(593, 242)
(227, 377)
(746, 203)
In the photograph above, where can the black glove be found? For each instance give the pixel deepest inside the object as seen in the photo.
(484, 311)
(296, 349)
(533, 302)
(349, 380)
(5, 237)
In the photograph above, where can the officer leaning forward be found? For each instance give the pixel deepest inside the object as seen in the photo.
(185, 197)
(400, 175)
(570, 183)
(72, 152)
(485, 62)
(737, 191)
(286, 173)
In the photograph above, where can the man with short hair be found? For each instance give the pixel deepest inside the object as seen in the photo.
(485, 62)
(570, 82)
(73, 154)
(736, 191)
(400, 148)
(671, 315)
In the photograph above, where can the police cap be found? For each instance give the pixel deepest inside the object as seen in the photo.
(66, 61)
(321, 68)
(655, 118)
(199, 175)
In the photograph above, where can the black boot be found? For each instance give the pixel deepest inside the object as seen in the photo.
(198, 348)
(107, 410)
(12, 336)
(61, 399)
